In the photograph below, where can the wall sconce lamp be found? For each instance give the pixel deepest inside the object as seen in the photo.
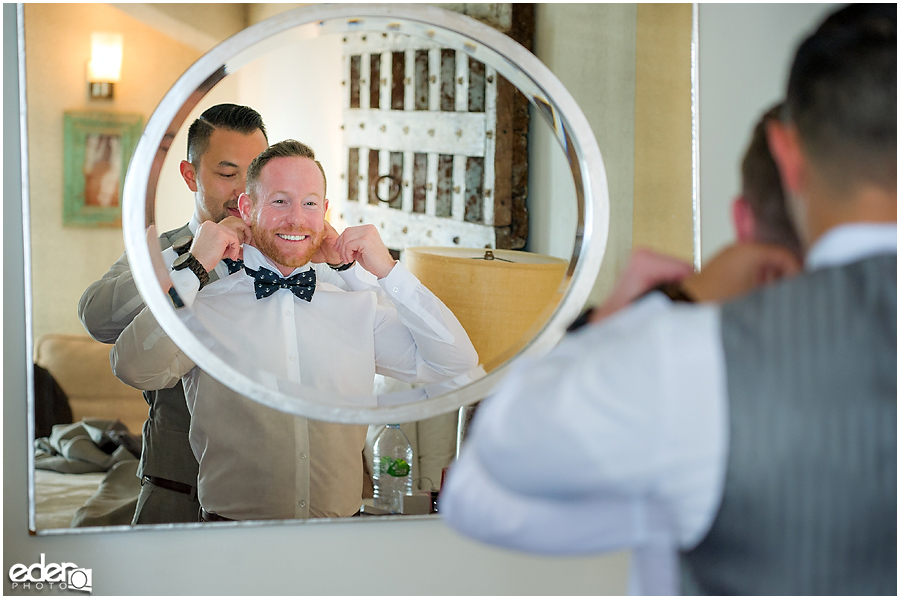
(105, 66)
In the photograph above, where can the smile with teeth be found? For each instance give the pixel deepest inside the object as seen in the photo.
(287, 237)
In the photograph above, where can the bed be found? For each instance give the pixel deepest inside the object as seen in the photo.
(106, 495)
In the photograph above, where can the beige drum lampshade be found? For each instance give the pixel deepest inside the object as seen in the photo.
(497, 301)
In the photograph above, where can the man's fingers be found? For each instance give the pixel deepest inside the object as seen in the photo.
(215, 241)
(659, 267)
(776, 263)
(233, 251)
(330, 231)
(238, 227)
(243, 233)
(349, 248)
(740, 268)
(363, 244)
(645, 270)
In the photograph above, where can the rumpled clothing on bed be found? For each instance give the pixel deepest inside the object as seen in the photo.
(114, 501)
(92, 445)
(96, 445)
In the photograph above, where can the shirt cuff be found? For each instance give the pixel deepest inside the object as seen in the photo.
(169, 256)
(186, 284)
(358, 278)
(400, 284)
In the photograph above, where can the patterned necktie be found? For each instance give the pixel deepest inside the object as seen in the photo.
(302, 284)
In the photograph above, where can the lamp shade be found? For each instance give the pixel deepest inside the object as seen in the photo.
(106, 57)
(498, 301)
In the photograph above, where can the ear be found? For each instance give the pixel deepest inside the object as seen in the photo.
(188, 174)
(743, 219)
(244, 205)
(784, 144)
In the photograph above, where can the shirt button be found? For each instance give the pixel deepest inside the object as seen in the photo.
(396, 289)
(302, 456)
(291, 358)
(302, 503)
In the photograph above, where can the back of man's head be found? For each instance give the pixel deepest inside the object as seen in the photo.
(762, 192)
(233, 117)
(842, 97)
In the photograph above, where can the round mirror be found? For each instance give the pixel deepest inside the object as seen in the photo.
(388, 30)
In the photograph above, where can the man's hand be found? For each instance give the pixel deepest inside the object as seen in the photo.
(363, 244)
(645, 270)
(224, 239)
(740, 269)
(327, 252)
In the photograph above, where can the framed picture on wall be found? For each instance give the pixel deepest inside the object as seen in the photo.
(97, 149)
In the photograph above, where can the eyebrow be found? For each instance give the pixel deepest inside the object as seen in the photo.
(226, 163)
(283, 192)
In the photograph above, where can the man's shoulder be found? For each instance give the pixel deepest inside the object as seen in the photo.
(840, 285)
(169, 237)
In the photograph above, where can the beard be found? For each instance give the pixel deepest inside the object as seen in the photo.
(224, 211)
(217, 209)
(276, 250)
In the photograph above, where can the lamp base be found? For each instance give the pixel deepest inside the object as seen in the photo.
(100, 90)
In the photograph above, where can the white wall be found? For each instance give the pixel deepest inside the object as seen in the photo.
(745, 55)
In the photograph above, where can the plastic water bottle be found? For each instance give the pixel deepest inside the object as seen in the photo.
(392, 476)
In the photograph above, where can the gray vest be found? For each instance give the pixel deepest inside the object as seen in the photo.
(810, 499)
(167, 450)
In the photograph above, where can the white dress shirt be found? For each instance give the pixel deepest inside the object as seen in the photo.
(259, 463)
(618, 438)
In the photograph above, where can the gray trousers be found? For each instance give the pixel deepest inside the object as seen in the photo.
(156, 505)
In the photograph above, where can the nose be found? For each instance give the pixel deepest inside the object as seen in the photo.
(295, 214)
(240, 184)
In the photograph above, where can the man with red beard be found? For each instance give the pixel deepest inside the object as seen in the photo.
(283, 327)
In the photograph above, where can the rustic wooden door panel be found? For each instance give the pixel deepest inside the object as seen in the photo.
(418, 140)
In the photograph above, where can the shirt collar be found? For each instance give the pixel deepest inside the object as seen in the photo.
(194, 224)
(254, 259)
(850, 243)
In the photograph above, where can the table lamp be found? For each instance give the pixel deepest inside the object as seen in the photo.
(501, 297)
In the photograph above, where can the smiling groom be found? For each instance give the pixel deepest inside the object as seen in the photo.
(286, 322)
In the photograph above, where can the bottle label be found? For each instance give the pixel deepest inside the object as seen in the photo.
(398, 467)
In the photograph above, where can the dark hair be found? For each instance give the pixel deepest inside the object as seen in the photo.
(762, 191)
(288, 148)
(842, 96)
(233, 117)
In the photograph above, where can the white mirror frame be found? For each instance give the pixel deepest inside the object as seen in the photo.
(552, 101)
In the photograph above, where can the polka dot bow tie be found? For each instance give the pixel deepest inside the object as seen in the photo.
(302, 284)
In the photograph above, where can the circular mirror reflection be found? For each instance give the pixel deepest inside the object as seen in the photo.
(328, 102)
